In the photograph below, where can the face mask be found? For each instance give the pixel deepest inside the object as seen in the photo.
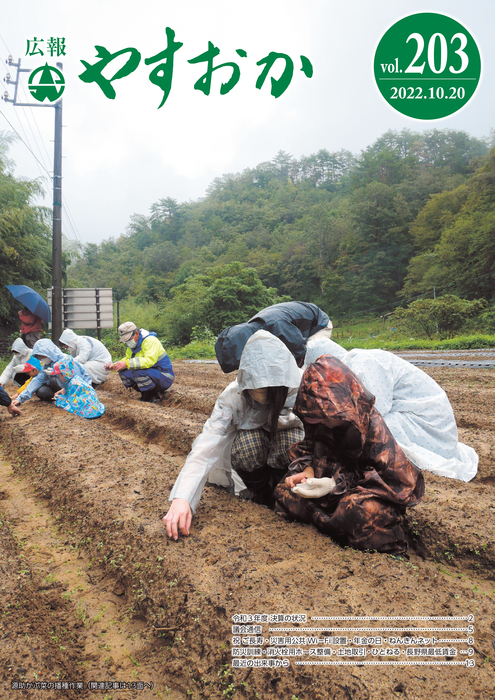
(131, 344)
(259, 395)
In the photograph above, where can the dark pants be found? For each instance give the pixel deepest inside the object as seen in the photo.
(145, 379)
(261, 464)
(47, 391)
(21, 377)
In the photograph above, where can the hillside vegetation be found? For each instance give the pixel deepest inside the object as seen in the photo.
(412, 216)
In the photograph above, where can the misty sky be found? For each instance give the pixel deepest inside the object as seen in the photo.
(122, 155)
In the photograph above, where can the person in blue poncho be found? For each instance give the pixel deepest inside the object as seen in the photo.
(75, 396)
(44, 385)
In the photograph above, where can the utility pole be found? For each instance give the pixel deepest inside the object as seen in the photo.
(57, 225)
(57, 196)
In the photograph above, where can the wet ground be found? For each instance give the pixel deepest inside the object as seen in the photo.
(94, 592)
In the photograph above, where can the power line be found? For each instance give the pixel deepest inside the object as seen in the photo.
(28, 119)
(70, 218)
(29, 149)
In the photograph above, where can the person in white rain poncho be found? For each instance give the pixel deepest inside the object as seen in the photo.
(250, 430)
(415, 409)
(15, 368)
(89, 352)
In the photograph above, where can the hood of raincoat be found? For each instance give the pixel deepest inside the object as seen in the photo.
(266, 361)
(20, 346)
(65, 367)
(230, 344)
(46, 348)
(69, 338)
(316, 347)
(329, 390)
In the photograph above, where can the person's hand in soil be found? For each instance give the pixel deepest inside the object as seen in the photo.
(179, 514)
(13, 410)
(59, 393)
(300, 478)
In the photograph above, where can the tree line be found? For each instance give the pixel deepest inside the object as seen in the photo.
(412, 213)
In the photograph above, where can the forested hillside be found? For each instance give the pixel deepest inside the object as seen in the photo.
(411, 213)
(348, 233)
(25, 236)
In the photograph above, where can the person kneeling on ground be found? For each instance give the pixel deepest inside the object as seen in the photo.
(44, 385)
(146, 366)
(75, 396)
(14, 371)
(249, 431)
(348, 448)
(89, 352)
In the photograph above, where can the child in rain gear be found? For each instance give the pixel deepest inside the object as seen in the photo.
(89, 352)
(246, 438)
(30, 370)
(75, 396)
(348, 445)
(416, 410)
(43, 385)
(14, 371)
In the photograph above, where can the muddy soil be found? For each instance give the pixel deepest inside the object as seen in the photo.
(97, 602)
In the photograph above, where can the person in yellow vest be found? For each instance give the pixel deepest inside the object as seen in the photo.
(146, 366)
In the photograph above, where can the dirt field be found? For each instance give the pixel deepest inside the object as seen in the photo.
(94, 592)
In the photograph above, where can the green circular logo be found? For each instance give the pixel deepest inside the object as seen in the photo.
(43, 86)
(427, 66)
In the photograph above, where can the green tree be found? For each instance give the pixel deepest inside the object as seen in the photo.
(222, 296)
(25, 236)
(444, 316)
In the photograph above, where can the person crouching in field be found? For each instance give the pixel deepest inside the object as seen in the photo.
(89, 352)
(76, 396)
(14, 372)
(349, 450)
(30, 370)
(415, 408)
(250, 430)
(44, 385)
(146, 366)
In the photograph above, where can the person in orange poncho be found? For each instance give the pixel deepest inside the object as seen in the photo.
(369, 481)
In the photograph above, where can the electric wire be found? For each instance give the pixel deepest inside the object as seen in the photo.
(26, 142)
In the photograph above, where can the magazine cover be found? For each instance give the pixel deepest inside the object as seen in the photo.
(247, 326)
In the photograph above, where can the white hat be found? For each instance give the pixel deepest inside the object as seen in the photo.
(126, 331)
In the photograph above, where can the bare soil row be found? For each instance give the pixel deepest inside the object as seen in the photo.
(105, 485)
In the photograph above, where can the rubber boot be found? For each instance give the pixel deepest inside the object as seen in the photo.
(151, 396)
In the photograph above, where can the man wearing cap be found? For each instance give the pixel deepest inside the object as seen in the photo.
(146, 366)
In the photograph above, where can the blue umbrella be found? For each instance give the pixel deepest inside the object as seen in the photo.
(31, 300)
